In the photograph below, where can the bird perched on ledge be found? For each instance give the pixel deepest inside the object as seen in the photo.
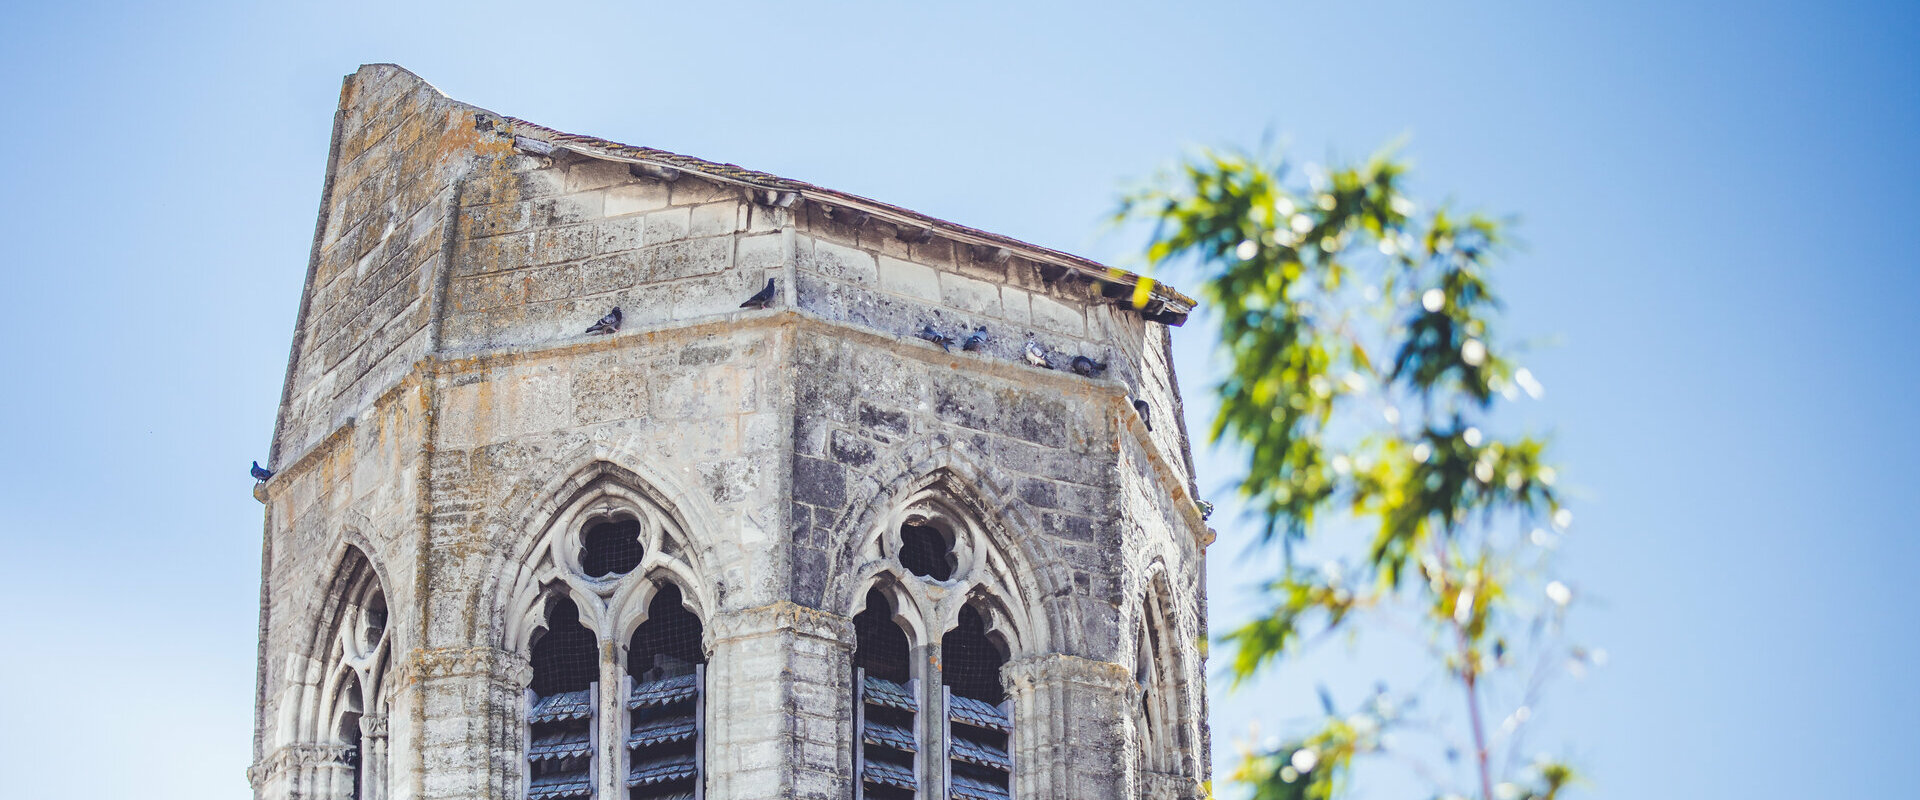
(1140, 407)
(1083, 365)
(977, 340)
(608, 323)
(762, 299)
(1036, 355)
(928, 333)
(260, 473)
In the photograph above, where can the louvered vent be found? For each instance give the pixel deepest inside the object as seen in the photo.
(978, 764)
(886, 752)
(666, 702)
(560, 744)
(663, 742)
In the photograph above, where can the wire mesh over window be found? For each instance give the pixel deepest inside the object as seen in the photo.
(668, 643)
(610, 548)
(925, 551)
(567, 657)
(881, 646)
(970, 662)
(885, 705)
(979, 720)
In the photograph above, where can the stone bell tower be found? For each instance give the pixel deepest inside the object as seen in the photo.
(918, 522)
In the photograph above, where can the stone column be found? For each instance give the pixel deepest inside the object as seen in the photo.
(1069, 715)
(466, 737)
(610, 728)
(778, 715)
(373, 757)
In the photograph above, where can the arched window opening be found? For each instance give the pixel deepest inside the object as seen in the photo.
(970, 661)
(610, 547)
(881, 646)
(927, 552)
(979, 718)
(561, 699)
(884, 706)
(1147, 677)
(349, 734)
(666, 667)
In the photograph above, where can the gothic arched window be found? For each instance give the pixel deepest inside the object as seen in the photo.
(562, 697)
(979, 720)
(611, 722)
(348, 715)
(666, 666)
(885, 707)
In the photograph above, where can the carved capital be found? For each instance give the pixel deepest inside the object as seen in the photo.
(781, 617)
(373, 726)
(294, 756)
(504, 667)
(1057, 669)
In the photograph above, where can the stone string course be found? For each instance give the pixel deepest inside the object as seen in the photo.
(443, 410)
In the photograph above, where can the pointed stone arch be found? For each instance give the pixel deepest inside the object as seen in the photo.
(340, 688)
(533, 541)
(1003, 553)
(1164, 676)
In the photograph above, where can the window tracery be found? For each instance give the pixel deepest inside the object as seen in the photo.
(349, 681)
(613, 562)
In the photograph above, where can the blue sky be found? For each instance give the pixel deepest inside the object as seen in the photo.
(1716, 202)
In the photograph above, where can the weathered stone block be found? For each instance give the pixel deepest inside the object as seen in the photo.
(908, 278)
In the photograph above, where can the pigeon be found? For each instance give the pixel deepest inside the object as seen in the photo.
(260, 473)
(1036, 356)
(1140, 406)
(762, 299)
(608, 323)
(928, 333)
(1083, 365)
(977, 340)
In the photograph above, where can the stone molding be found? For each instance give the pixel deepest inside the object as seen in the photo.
(783, 616)
(1059, 668)
(502, 666)
(299, 755)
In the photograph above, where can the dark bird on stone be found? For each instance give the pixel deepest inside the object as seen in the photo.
(1140, 406)
(762, 299)
(1036, 355)
(977, 340)
(928, 333)
(608, 323)
(260, 473)
(1083, 365)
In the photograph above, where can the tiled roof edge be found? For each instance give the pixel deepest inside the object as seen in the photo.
(1167, 305)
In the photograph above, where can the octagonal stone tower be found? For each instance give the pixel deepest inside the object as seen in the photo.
(790, 550)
